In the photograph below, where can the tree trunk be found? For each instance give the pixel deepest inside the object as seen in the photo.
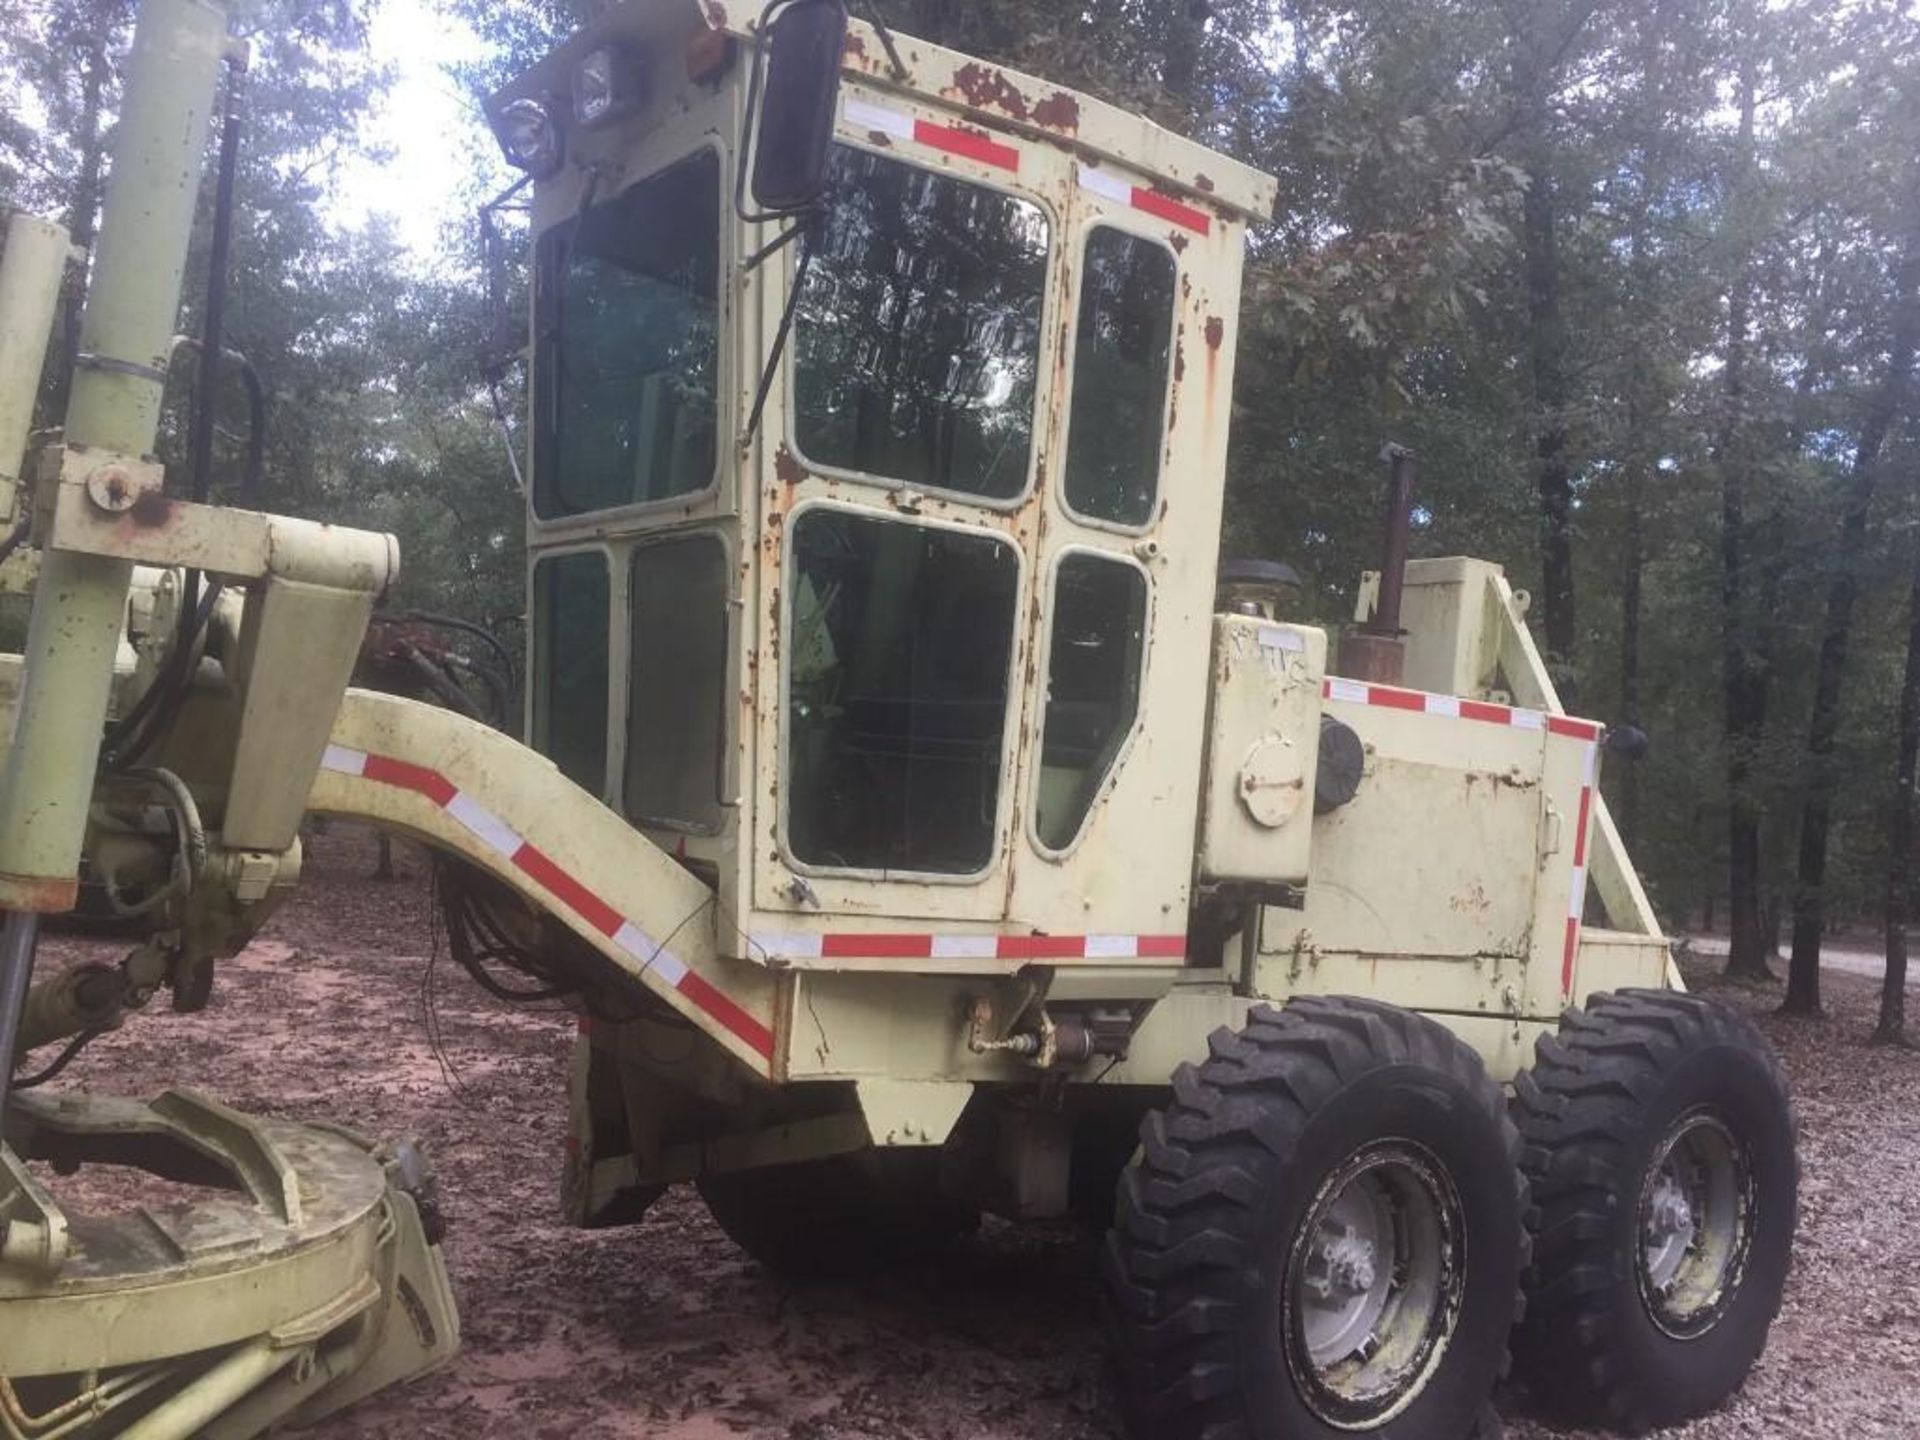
(1743, 682)
(1816, 816)
(1630, 602)
(83, 209)
(1892, 1029)
(1186, 27)
(1547, 345)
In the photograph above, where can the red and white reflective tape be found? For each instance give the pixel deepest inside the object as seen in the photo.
(1420, 702)
(1577, 898)
(501, 838)
(1121, 192)
(897, 124)
(848, 946)
(1588, 732)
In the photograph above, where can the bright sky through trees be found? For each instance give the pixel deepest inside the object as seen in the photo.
(415, 152)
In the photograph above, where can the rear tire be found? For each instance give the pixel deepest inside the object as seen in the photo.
(1660, 1147)
(842, 1216)
(1322, 1236)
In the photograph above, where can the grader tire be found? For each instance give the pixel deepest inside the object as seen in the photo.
(1322, 1236)
(833, 1219)
(1660, 1147)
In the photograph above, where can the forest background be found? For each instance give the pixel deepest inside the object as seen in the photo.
(1638, 280)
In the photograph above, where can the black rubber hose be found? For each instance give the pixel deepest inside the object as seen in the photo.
(466, 627)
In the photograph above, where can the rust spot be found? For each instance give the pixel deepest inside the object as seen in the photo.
(880, 138)
(788, 467)
(856, 45)
(1163, 507)
(1178, 239)
(1216, 331)
(1059, 111)
(47, 896)
(1203, 183)
(1179, 361)
(1186, 287)
(986, 88)
(151, 509)
(716, 15)
(709, 54)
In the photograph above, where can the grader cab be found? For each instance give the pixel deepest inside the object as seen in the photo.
(923, 820)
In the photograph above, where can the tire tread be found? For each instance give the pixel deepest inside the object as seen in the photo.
(1193, 1197)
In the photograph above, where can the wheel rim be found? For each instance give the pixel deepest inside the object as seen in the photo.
(1695, 1225)
(1373, 1284)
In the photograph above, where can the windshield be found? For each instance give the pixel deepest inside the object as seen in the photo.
(627, 358)
(917, 334)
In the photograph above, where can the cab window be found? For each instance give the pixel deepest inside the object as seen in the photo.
(570, 602)
(677, 683)
(1123, 343)
(627, 346)
(917, 332)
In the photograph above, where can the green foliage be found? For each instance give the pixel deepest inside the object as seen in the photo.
(1390, 299)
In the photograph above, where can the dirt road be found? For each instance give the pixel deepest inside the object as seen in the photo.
(666, 1331)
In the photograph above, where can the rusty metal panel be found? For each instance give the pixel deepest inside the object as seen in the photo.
(1263, 745)
(1040, 110)
(1438, 853)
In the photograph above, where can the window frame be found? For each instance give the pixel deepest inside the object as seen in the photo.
(1010, 728)
(725, 359)
(968, 172)
(725, 779)
(1069, 365)
(536, 654)
(1043, 673)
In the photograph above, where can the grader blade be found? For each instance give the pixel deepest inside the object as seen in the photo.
(310, 1277)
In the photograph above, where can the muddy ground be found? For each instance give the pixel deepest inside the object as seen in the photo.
(342, 1011)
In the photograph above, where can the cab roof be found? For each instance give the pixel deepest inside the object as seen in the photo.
(1006, 98)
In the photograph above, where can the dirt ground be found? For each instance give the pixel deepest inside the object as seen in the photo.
(341, 1011)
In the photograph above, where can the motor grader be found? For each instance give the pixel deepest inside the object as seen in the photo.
(922, 819)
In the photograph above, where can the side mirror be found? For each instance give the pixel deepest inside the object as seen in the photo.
(793, 136)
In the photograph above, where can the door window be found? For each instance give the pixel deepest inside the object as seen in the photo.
(899, 650)
(1093, 687)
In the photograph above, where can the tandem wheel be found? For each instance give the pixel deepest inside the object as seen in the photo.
(1322, 1236)
(1660, 1149)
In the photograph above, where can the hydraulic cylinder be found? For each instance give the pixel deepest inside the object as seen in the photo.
(31, 269)
(80, 600)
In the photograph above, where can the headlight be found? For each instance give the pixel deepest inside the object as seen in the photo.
(528, 135)
(606, 86)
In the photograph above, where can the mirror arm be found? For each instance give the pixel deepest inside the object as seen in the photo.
(767, 251)
(878, 21)
(780, 337)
